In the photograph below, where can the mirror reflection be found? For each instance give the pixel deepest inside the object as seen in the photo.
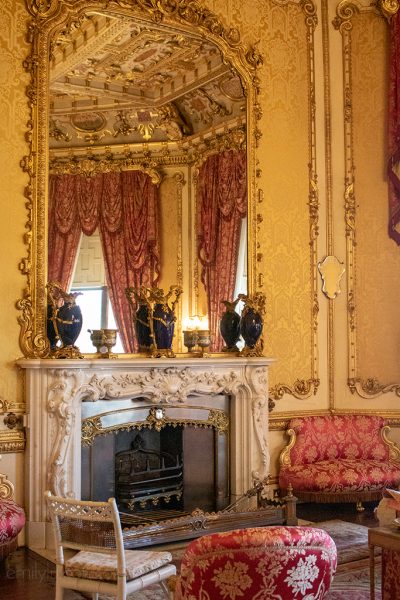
(148, 182)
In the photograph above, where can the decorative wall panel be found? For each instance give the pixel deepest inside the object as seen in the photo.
(372, 258)
(378, 257)
(287, 233)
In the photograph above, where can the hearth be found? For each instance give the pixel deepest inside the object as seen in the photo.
(72, 404)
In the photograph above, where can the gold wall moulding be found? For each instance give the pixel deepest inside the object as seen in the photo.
(12, 441)
(156, 419)
(371, 387)
(301, 389)
(51, 18)
(331, 270)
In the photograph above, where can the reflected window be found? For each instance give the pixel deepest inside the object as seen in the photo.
(241, 273)
(96, 314)
(94, 301)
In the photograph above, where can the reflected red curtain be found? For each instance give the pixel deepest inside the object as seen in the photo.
(64, 229)
(129, 234)
(394, 130)
(221, 205)
(124, 206)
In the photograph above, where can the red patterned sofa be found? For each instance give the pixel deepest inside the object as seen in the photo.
(261, 562)
(12, 518)
(339, 458)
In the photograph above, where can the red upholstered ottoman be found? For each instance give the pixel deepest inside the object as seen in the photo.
(263, 562)
(12, 520)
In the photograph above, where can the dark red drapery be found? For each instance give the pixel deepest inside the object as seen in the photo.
(394, 130)
(124, 206)
(221, 205)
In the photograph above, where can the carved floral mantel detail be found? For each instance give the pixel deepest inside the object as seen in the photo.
(56, 390)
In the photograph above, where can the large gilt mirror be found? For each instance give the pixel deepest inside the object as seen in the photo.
(155, 96)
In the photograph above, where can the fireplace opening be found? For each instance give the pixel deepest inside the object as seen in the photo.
(156, 475)
(148, 477)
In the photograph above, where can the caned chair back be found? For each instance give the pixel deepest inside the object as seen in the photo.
(83, 525)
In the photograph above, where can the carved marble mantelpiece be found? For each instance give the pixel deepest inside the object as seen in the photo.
(55, 390)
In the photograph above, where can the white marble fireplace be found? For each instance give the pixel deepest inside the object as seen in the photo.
(55, 390)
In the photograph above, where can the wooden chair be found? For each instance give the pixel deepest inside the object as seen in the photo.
(101, 564)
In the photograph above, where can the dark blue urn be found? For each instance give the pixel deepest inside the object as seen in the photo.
(51, 331)
(69, 320)
(142, 327)
(163, 326)
(229, 326)
(251, 326)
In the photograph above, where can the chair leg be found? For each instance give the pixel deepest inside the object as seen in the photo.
(59, 592)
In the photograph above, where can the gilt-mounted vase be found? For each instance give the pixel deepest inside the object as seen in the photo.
(251, 323)
(163, 326)
(142, 327)
(229, 327)
(69, 323)
(251, 326)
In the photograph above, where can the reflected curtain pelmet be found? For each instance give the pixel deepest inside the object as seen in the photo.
(124, 207)
(221, 206)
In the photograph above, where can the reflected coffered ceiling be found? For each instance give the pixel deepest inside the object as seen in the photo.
(118, 81)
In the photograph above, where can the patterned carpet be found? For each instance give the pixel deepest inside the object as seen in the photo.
(351, 539)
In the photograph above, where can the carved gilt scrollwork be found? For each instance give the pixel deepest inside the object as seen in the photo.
(6, 488)
(92, 426)
(389, 7)
(371, 387)
(301, 389)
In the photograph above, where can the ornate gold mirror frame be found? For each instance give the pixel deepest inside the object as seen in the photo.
(51, 17)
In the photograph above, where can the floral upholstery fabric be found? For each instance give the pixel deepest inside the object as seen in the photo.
(340, 454)
(96, 565)
(12, 520)
(341, 475)
(265, 563)
(390, 575)
(354, 437)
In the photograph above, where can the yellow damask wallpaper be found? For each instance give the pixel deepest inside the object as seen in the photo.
(13, 118)
(377, 256)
